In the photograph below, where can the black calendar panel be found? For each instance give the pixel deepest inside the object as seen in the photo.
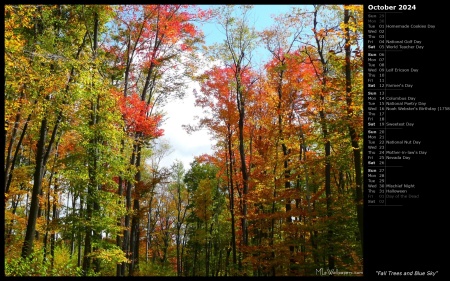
(407, 114)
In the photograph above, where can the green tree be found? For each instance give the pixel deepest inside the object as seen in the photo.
(206, 221)
(54, 57)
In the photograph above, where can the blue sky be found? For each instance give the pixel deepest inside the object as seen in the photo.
(260, 15)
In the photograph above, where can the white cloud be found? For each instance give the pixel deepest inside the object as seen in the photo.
(184, 146)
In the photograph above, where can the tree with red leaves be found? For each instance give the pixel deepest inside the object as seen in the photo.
(135, 112)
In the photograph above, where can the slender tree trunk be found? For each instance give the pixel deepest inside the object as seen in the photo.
(93, 186)
(207, 241)
(88, 231)
(134, 265)
(327, 144)
(127, 230)
(47, 219)
(272, 233)
(134, 246)
(352, 131)
(178, 250)
(149, 224)
(52, 173)
(183, 262)
(79, 234)
(135, 232)
(98, 140)
(37, 182)
(241, 108)
(14, 204)
(287, 171)
(178, 227)
(227, 261)
(53, 234)
(10, 163)
(231, 195)
(219, 266)
(119, 271)
(329, 210)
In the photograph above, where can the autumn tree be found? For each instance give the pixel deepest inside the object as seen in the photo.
(352, 27)
(57, 56)
(334, 106)
(216, 98)
(74, 117)
(236, 53)
(284, 76)
(151, 41)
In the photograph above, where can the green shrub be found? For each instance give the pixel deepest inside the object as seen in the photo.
(30, 266)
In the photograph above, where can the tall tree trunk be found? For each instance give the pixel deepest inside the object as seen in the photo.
(241, 109)
(93, 186)
(183, 264)
(119, 272)
(98, 138)
(52, 173)
(149, 223)
(327, 144)
(127, 230)
(231, 194)
(178, 242)
(10, 163)
(37, 183)
(88, 232)
(53, 234)
(134, 265)
(134, 246)
(272, 232)
(352, 131)
(287, 171)
(80, 214)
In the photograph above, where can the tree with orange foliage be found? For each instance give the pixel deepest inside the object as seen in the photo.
(153, 41)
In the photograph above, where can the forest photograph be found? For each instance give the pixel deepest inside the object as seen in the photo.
(183, 140)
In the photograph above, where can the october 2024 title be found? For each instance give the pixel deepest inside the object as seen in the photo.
(391, 7)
